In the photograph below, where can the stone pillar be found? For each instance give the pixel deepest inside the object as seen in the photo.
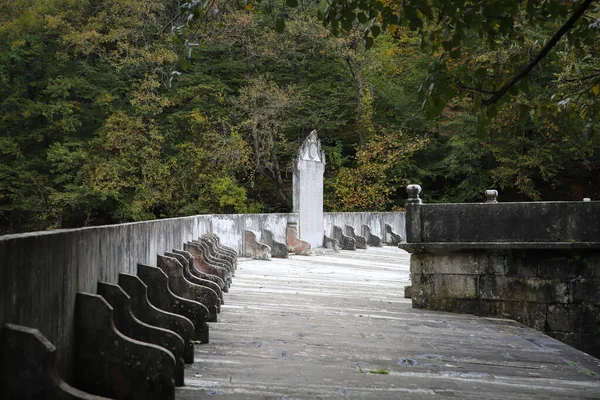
(308, 190)
(413, 214)
(491, 196)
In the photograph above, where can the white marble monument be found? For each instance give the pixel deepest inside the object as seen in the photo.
(308, 190)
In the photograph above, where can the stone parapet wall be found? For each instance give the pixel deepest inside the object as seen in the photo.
(41, 272)
(557, 292)
(374, 220)
(544, 221)
(537, 263)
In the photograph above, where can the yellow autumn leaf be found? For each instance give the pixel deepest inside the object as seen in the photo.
(596, 89)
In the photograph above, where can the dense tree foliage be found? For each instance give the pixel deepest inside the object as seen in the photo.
(121, 110)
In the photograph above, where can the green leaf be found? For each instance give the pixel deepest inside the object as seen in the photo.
(524, 85)
(362, 17)
(375, 31)
(349, 15)
(279, 25)
(523, 113)
(291, 3)
(176, 39)
(347, 25)
(369, 42)
(481, 124)
(185, 64)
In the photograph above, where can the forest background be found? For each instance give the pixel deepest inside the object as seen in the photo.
(108, 113)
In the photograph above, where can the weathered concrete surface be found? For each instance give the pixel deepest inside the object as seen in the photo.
(220, 253)
(315, 328)
(224, 249)
(537, 263)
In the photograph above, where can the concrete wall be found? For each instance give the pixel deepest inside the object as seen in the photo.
(537, 263)
(375, 220)
(40, 272)
(276, 223)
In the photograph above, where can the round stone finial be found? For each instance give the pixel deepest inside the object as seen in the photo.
(413, 194)
(491, 195)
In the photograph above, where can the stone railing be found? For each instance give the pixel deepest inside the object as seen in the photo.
(130, 339)
(538, 263)
(41, 273)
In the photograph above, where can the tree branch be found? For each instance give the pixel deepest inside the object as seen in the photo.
(545, 50)
(171, 21)
(463, 86)
(583, 78)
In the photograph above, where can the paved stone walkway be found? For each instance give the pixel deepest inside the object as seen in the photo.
(338, 327)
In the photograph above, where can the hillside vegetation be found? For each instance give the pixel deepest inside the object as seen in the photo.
(128, 110)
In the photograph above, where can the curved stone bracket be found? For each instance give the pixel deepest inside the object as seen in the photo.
(185, 262)
(216, 252)
(345, 242)
(331, 243)
(160, 295)
(391, 237)
(132, 327)
(372, 240)
(186, 289)
(361, 241)
(296, 245)
(213, 259)
(194, 266)
(150, 314)
(111, 364)
(278, 249)
(256, 249)
(203, 265)
(226, 249)
(28, 368)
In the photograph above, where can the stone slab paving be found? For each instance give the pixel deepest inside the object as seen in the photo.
(338, 327)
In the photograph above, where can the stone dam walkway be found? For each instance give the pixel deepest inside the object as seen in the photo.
(338, 327)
